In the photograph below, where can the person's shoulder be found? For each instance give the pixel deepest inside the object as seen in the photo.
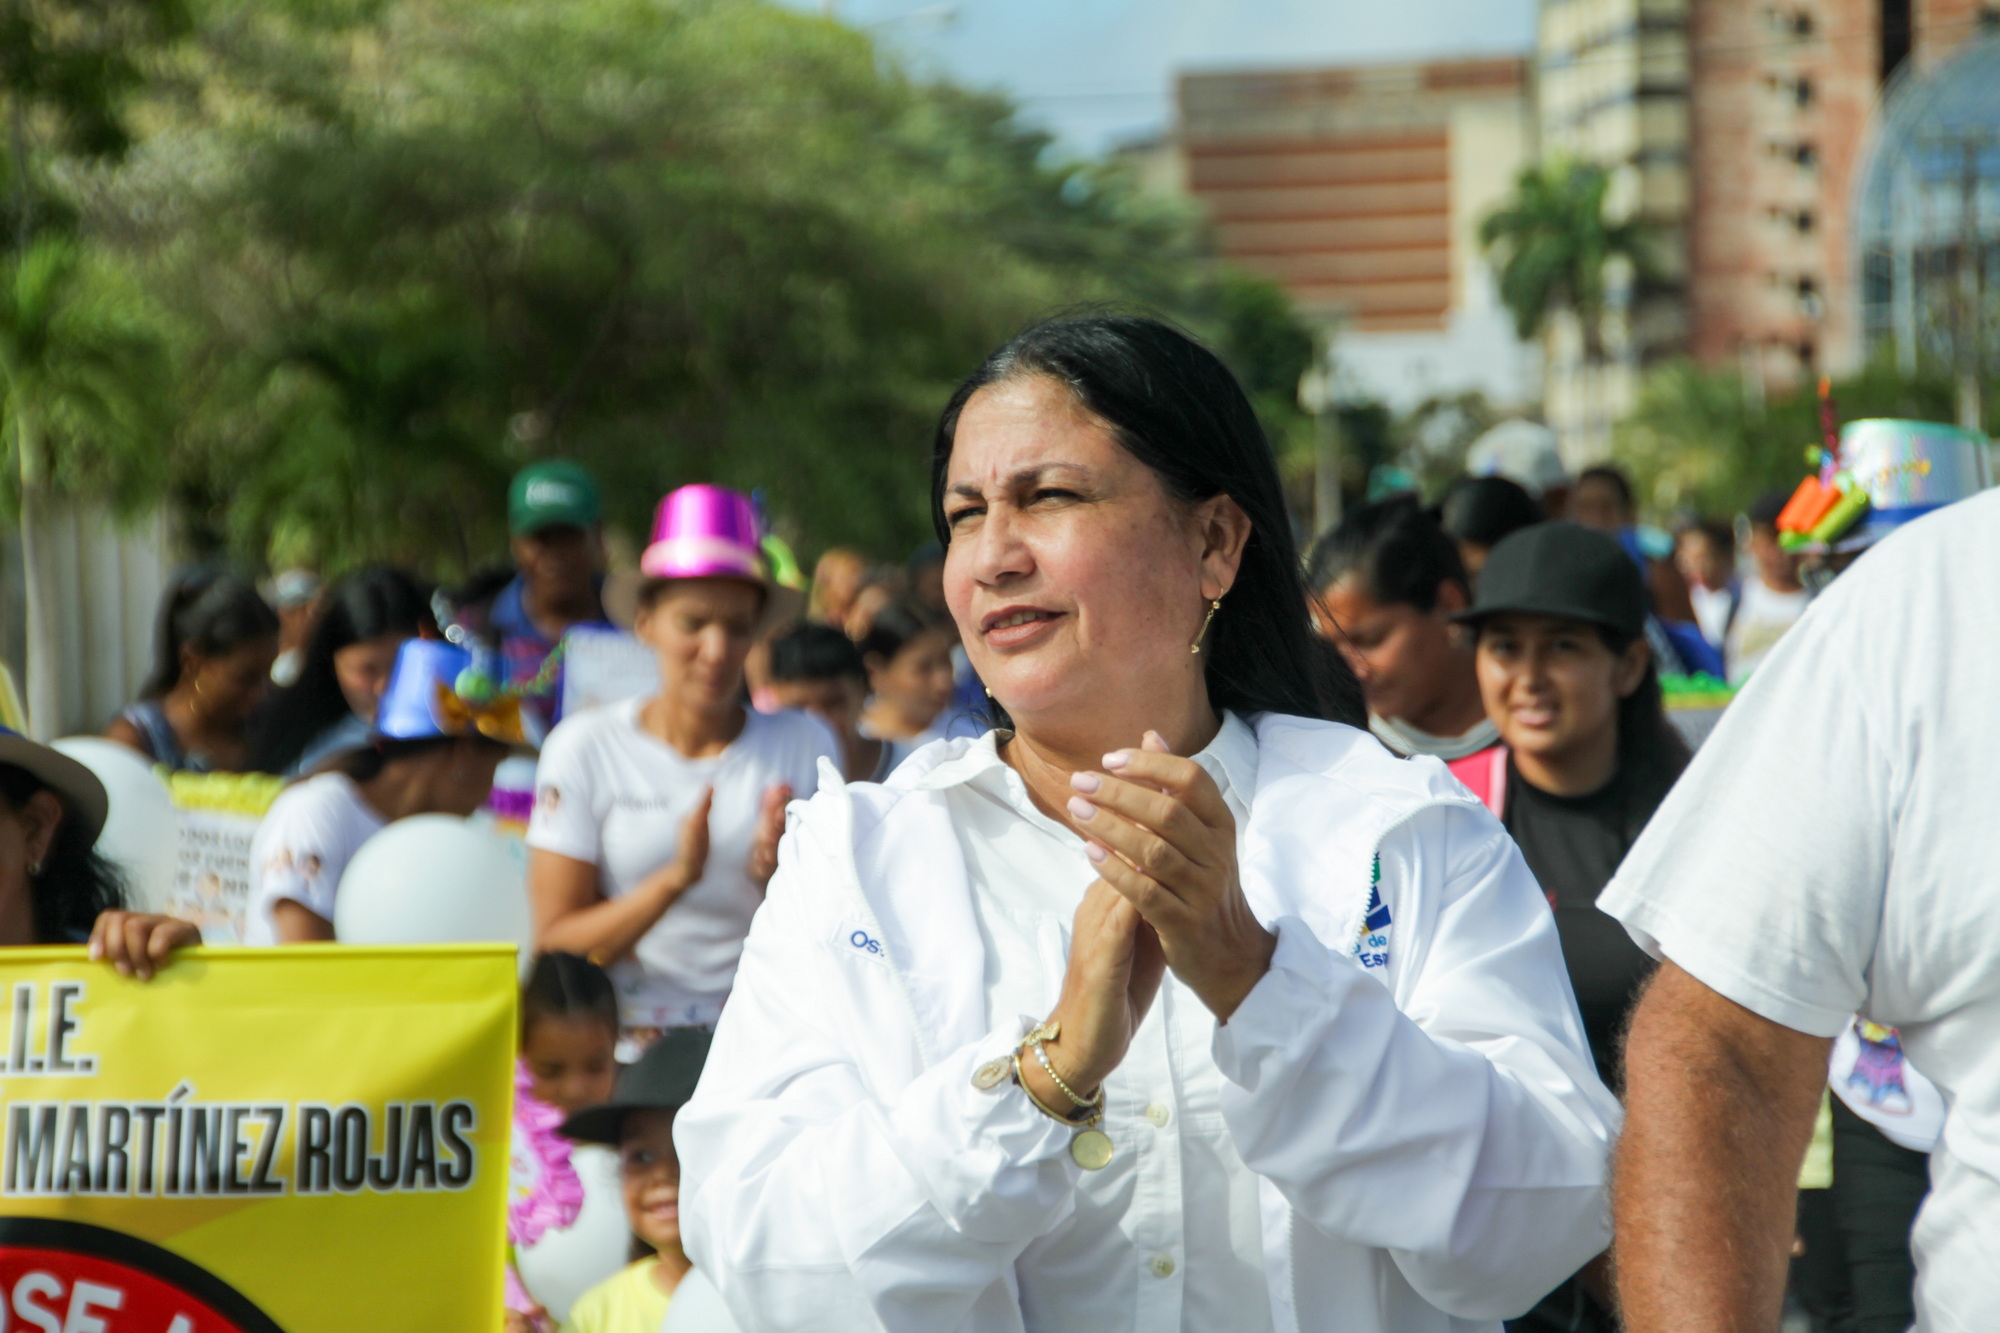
(1350, 757)
(579, 733)
(861, 807)
(790, 731)
(324, 801)
(597, 1310)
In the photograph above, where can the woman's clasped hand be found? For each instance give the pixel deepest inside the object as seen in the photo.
(1167, 895)
(1157, 829)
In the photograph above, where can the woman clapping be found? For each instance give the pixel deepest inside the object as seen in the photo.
(1175, 1003)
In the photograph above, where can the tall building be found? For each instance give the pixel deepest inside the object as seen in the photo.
(1360, 189)
(1734, 129)
(1614, 78)
(1781, 102)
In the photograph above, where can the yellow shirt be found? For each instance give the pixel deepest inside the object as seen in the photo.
(625, 1302)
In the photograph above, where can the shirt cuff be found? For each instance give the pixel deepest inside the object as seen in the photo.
(990, 1162)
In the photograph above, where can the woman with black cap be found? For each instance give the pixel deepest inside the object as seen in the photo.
(1568, 679)
(1587, 755)
(54, 887)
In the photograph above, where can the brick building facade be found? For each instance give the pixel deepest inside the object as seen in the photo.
(1780, 100)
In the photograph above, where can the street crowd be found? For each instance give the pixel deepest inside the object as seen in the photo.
(1119, 913)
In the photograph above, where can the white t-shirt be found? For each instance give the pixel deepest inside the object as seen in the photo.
(1833, 850)
(302, 848)
(1762, 618)
(1712, 609)
(611, 794)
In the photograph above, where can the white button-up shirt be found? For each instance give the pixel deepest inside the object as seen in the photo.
(1167, 1236)
(1407, 1089)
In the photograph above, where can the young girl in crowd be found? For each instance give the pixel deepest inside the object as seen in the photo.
(817, 669)
(639, 1122)
(1389, 581)
(417, 762)
(216, 642)
(331, 705)
(910, 674)
(569, 1031)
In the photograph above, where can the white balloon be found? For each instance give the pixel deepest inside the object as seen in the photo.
(141, 835)
(433, 879)
(562, 1265)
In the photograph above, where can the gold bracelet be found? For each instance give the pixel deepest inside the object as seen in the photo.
(1045, 1108)
(1094, 1104)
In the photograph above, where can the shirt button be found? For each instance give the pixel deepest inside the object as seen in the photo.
(1158, 1115)
(1161, 1266)
(991, 1074)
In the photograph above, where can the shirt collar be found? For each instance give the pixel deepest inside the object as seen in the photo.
(1231, 759)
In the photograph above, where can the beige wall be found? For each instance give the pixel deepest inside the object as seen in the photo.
(1490, 143)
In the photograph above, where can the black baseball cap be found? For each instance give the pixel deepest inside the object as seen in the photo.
(662, 1079)
(1565, 571)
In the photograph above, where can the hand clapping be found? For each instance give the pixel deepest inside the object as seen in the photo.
(1159, 832)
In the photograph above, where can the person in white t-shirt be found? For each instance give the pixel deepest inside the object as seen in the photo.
(417, 761)
(1772, 598)
(656, 821)
(1829, 852)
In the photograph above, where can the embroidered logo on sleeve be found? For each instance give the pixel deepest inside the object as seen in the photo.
(1371, 942)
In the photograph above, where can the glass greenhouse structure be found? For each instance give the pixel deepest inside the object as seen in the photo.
(1927, 216)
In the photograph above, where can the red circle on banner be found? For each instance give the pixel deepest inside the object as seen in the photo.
(82, 1291)
(85, 1279)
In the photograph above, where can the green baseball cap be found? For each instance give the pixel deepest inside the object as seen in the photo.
(552, 492)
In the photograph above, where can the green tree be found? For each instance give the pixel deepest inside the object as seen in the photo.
(419, 242)
(1552, 246)
(1698, 440)
(82, 378)
(69, 72)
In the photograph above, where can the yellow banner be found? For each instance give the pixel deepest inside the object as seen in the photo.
(311, 1139)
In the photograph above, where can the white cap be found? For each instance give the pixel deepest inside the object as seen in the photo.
(1524, 452)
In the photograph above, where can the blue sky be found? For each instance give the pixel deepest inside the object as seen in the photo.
(1100, 71)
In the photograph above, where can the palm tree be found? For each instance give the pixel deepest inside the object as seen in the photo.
(82, 398)
(1551, 244)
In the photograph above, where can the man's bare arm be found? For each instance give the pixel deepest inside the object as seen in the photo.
(1719, 1108)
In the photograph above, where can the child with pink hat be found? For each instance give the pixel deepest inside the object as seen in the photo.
(656, 821)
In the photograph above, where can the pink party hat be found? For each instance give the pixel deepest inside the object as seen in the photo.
(704, 531)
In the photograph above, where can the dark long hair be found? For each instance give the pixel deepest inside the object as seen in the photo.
(567, 985)
(1397, 550)
(75, 884)
(1647, 742)
(211, 611)
(892, 629)
(364, 605)
(1174, 406)
(1482, 510)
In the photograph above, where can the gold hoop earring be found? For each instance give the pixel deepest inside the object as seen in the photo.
(1207, 620)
